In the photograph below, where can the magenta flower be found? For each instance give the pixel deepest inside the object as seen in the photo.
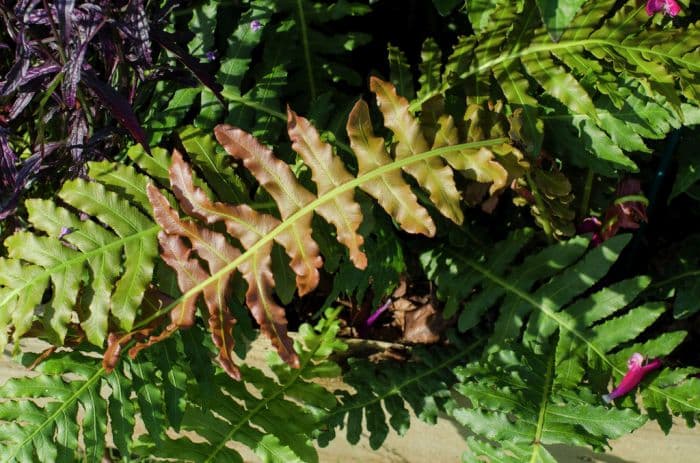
(636, 370)
(255, 25)
(591, 225)
(669, 7)
(627, 211)
(373, 318)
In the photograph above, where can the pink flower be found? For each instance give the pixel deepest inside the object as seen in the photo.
(669, 7)
(627, 211)
(636, 370)
(591, 225)
(373, 318)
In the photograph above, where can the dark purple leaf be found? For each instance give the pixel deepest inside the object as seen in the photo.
(8, 203)
(32, 16)
(118, 106)
(25, 7)
(9, 188)
(167, 41)
(39, 71)
(90, 21)
(8, 159)
(71, 75)
(76, 142)
(22, 99)
(65, 18)
(135, 27)
(30, 166)
(14, 76)
(110, 56)
(42, 152)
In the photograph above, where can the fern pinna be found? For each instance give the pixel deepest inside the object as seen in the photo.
(554, 344)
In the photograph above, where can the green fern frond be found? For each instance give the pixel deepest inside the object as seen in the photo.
(73, 410)
(554, 346)
(273, 415)
(518, 409)
(607, 82)
(40, 414)
(94, 268)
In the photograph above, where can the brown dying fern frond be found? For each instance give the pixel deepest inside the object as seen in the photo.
(206, 260)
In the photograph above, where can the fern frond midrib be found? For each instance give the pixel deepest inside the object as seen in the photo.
(310, 207)
(251, 104)
(81, 257)
(539, 48)
(546, 390)
(125, 217)
(526, 297)
(51, 418)
(680, 276)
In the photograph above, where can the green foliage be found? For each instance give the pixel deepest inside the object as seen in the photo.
(680, 276)
(557, 15)
(557, 338)
(687, 179)
(242, 228)
(62, 414)
(44, 417)
(96, 267)
(516, 403)
(594, 94)
(321, 62)
(273, 415)
(423, 383)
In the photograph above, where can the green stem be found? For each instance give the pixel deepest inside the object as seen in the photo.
(586, 199)
(307, 52)
(42, 103)
(680, 276)
(632, 198)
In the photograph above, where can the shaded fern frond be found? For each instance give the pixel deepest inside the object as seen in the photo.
(555, 345)
(382, 391)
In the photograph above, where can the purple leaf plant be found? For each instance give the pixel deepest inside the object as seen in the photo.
(78, 66)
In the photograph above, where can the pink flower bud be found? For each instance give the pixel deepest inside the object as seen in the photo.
(636, 370)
